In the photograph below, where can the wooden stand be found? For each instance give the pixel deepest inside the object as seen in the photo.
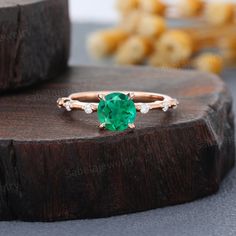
(34, 41)
(56, 165)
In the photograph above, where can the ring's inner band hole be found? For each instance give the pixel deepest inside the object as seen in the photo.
(139, 99)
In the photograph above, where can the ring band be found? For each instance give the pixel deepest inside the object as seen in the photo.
(117, 110)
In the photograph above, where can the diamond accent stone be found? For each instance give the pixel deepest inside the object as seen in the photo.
(68, 106)
(145, 108)
(176, 103)
(88, 109)
(165, 106)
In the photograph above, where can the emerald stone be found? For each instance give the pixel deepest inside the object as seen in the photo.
(116, 112)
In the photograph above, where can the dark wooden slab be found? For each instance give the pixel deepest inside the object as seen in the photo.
(34, 41)
(56, 165)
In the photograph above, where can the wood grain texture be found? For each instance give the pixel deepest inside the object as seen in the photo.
(34, 41)
(56, 165)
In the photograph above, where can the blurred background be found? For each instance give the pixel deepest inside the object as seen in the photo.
(100, 11)
(93, 10)
(192, 34)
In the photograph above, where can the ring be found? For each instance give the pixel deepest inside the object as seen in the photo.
(117, 111)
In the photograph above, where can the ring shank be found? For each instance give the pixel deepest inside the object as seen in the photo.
(138, 96)
(154, 100)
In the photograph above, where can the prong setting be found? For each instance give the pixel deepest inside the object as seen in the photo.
(131, 95)
(102, 126)
(132, 126)
(101, 97)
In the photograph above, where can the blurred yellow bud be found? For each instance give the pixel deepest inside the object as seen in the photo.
(209, 62)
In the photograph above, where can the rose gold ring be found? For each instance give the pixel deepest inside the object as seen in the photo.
(117, 110)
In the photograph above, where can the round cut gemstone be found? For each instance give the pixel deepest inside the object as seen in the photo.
(117, 111)
(165, 106)
(88, 109)
(68, 106)
(144, 108)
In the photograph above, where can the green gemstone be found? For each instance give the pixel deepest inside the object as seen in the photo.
(117, 111)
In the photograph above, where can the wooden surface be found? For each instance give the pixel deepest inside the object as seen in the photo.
(56, 165)
(34, 41)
